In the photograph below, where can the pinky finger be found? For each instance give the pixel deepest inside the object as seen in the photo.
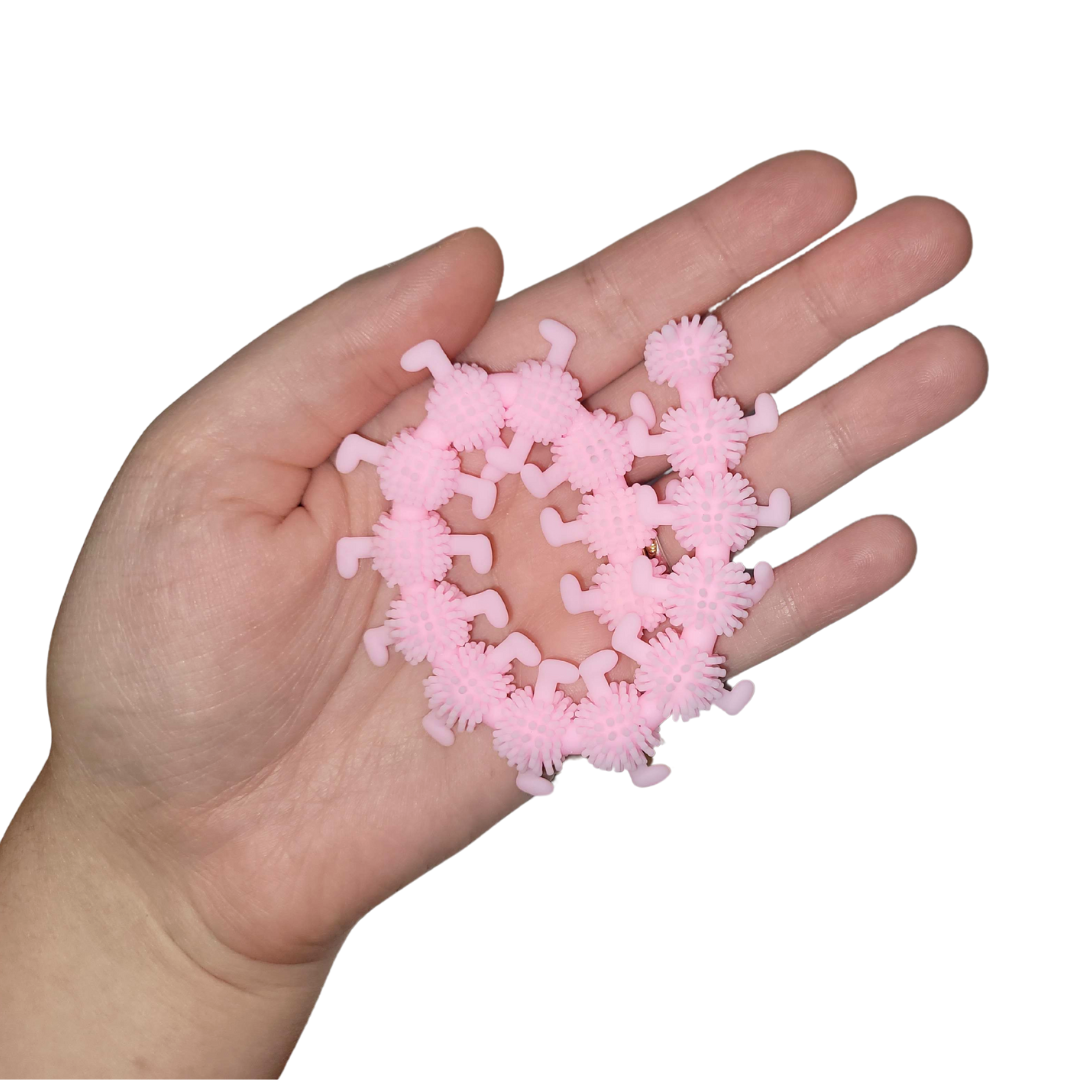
(826, 583)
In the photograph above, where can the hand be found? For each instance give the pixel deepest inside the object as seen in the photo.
(212, 704)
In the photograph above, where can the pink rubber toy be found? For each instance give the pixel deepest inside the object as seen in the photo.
(687, 610)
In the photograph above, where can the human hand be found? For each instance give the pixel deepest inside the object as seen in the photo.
(212, 707)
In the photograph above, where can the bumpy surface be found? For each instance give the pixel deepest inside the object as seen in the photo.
(466, 407)
(529, 733)
(684, 611)
(427, 620)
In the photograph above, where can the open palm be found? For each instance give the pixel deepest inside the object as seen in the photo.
(207, 683)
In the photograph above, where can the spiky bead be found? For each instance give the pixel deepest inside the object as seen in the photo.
(410, 551)
(467, 407)
(690, 348)
(468, 685)
(529, 733)
(415, 473)
(614, 735)
(613, 528)
(683, 678)
(545, 403)
(714, 510)
(617, 597)
(707, 594)
(595, 449)
(427, 620)
(705, 435)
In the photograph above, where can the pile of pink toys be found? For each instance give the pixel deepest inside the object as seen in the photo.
(667, 621)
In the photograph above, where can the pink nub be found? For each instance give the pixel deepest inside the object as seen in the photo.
(428, 620)
(467, 686)
(410, 552)
(595, 450)
(612, 525)
(466, 407)
(705, 435)
(707, 594)
(617, 596)
(689, 349)
(546, 401)
(415, 473)
(680, 676)
(529, 733)
(713, 510)
(614, 734)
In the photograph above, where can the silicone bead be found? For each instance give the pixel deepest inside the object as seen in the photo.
(533, 724)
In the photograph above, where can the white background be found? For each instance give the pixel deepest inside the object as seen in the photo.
(870, 873)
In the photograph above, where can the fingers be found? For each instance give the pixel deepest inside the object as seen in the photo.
(291, 395)
(687, 261)
(786, 322)
(831, 580)
(891, 403)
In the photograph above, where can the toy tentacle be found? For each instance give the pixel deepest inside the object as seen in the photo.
(562, 340)
(541, 483)
(517, 646)
(649, 775)
(641, 406)
(428, 354)
(436, 727)
(593, 670)
(650, 509)
(644, 582)
(532, 784)
(777, 511)
(763, 580)
(558, 532)
(550, 674)
(377, 644)
(575, 599)
(766, 416)
(350, 550)
(489, 604)
(354, 449)
(482, 493)
(737, 697)
(476, 546)
(626, 640)
(642, 443)
(510, 458)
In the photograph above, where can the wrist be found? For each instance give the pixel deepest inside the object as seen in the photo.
(108, 967)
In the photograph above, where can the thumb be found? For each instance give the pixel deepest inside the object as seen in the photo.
(294, 393)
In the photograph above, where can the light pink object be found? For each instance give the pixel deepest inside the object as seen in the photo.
(428, 619)
(704, 435)
(691, 350)
(616, 731)
(533, 725)
(704, 597)
(541, 402)
(464, 406)
(467, 685)
(614, 594)
(609, 524)
(593, 454)
(712, 513)
(701, 593)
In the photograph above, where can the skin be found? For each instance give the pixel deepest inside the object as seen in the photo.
(232, 784)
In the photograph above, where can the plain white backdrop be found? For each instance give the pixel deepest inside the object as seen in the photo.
(872, 872)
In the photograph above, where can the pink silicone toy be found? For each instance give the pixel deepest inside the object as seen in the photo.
(703, 598)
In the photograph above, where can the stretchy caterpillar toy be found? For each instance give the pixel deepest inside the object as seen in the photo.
(712, 509)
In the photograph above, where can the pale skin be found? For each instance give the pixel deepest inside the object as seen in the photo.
(232, 782)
